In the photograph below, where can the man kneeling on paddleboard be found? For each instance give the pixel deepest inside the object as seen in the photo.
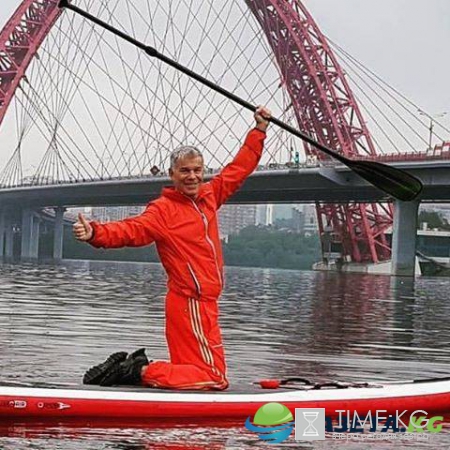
(183, 224)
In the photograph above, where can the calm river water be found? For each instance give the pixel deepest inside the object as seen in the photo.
(57, 320)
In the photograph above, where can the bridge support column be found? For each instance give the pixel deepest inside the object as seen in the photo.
(9, 235)
(2, 233)
(26, 229)
(404, 238)
(35, 238)
(30, 234)
(58, 233)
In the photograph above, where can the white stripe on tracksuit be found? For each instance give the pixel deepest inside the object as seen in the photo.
(205, 349)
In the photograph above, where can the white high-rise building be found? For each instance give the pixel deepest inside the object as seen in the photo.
(282, 211)
(310, 225)
(264, 214)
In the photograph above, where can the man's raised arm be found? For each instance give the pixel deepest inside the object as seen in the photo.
(231, 177)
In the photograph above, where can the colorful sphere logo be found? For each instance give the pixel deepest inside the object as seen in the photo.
(273, 422)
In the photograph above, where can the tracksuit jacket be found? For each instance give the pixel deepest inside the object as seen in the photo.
(186, 235)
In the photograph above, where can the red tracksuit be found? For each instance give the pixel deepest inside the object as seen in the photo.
(187, 239)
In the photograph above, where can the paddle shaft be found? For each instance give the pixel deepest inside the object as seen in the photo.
(154, 53)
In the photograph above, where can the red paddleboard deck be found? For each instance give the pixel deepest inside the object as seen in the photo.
(52, 403)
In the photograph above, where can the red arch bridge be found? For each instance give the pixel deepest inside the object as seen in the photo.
(89, 109)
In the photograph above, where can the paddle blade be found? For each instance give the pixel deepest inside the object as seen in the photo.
(396, 182)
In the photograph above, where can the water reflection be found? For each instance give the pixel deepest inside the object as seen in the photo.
(57, 320)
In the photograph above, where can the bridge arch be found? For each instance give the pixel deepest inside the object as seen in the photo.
(320, 97)
(20, 40)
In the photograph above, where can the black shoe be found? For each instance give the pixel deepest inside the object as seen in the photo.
(96, 374)
(137, 353)
(127, 372)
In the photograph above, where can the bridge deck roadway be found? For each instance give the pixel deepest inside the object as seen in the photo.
(303, 185)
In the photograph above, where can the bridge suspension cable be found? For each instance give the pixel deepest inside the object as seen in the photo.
(108, 112)
(395, 182)
(394, 107)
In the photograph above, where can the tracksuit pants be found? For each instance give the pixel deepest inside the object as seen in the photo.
(197, 359)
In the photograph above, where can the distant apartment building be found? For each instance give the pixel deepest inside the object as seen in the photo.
(310, 225)
(233, 218)
(282, 211)
(72, 213)
(264, 214)
(135, 210)
(442, 209)
(113, 213)
(267, 214)
(298, 218)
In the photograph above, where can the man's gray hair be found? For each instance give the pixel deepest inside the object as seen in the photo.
(182, 152)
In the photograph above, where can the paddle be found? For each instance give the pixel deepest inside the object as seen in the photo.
(397, 183)
(298, 383)
(294, 382)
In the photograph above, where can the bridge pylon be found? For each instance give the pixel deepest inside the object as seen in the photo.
(404, 238)
(58, 233)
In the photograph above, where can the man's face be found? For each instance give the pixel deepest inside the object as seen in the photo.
(187, 175)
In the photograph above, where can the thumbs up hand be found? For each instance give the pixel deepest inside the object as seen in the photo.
(82, 230)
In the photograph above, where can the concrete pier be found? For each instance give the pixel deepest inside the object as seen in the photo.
(29, 221)
(27, 230)
(30, 234)
(2, 233)
(404, 239)
(34, 249)
(58, 233)
(404, 242)
(9, 235)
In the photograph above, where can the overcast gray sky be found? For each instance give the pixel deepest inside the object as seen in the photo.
(403, 41)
